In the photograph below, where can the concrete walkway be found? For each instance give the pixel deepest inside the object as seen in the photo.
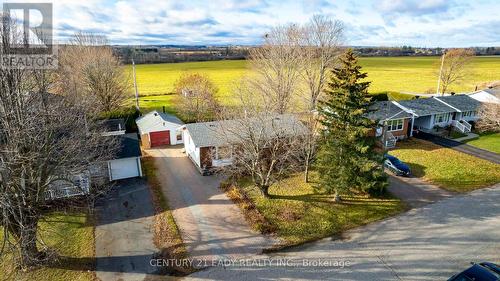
(461, 147)
(429, 243)
(469, 136)
(212, 227)
(415, 192)
(124, 237)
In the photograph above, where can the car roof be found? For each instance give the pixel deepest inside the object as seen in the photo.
(480, 272)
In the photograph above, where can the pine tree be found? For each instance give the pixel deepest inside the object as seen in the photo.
(346, 158)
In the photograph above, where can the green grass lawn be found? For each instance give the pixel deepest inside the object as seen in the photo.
(298, 214)
(72, 236)
(490, 141)
(446, 167)
(388, 74)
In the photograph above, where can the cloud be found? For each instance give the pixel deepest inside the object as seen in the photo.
(414, 7)
(396, 22)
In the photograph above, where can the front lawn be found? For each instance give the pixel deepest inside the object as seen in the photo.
(445, 167)
(297, 214)
(488, 141)
(71, 235)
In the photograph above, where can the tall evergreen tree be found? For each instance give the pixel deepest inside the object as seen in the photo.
(346, 158)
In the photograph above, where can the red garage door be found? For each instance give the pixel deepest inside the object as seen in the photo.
(159, 138)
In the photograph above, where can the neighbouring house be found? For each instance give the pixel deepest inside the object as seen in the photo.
(487, 95)
(394, 122)
(209, 145)
(114, 127)
(159, 129)
(429, 113)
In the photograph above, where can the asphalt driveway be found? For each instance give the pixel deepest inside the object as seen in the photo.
(124, 236)
(428, 243)
(415, 192)
(212, 227)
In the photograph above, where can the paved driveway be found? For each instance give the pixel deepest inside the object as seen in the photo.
(461, 147)
(415, 192)
(429, 243)
(124, 237)
(212, 227)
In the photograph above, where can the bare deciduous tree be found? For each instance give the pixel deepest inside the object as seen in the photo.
(197, 93)
(43, 138)
(321, 41)
(87, 66)
(456, 65)
(489, 118)
(265, 145)
(276, 67)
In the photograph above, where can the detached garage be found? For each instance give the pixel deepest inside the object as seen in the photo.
(127, 163)
(159, 129)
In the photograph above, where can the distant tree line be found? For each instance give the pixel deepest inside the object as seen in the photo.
(166, 54)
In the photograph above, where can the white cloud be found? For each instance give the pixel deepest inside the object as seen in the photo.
(369, 22)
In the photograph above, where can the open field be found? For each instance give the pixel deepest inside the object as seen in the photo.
(298, 214)
(72, 236)
(398, 74)
(388, 74)
(489, 142)
(445, 167)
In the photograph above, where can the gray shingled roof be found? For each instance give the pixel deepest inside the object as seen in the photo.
(153, 121)
(219, 133)
(113, 125)
(426, 106)
(383, 110)
(129, 146)
(461, 102)
(494, 91)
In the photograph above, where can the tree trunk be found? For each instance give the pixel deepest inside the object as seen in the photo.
(265, 191)
(26, 235)
(306, 172)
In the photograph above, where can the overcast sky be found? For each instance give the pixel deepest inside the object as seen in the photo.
(425, 23)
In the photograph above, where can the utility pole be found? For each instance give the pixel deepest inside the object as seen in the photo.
(440, 70)
(135, 86)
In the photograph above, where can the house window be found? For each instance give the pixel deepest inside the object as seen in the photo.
(442, 117)
(395, 125)
(179, 135)
(223, 152)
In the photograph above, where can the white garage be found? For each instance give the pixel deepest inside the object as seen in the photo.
(127, 161)
(124, 168)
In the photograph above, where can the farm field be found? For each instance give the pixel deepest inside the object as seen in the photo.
(388, 74)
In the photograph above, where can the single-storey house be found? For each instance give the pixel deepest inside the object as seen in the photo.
(158, 129)
(456, 110)
(394, 122)
(487, 95)
(209, 145)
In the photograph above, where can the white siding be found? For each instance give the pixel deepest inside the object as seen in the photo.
(423, 122)
(191, 150)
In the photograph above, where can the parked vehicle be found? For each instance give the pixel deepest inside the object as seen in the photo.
(485, 271)
(396, 166)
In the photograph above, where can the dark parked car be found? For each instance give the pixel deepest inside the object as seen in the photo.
(485, 271)
(396, 166)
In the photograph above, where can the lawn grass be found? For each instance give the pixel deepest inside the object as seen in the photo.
(72, 236)
(487, 141)
(297, 214)
(445, 167)
(388, 74)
